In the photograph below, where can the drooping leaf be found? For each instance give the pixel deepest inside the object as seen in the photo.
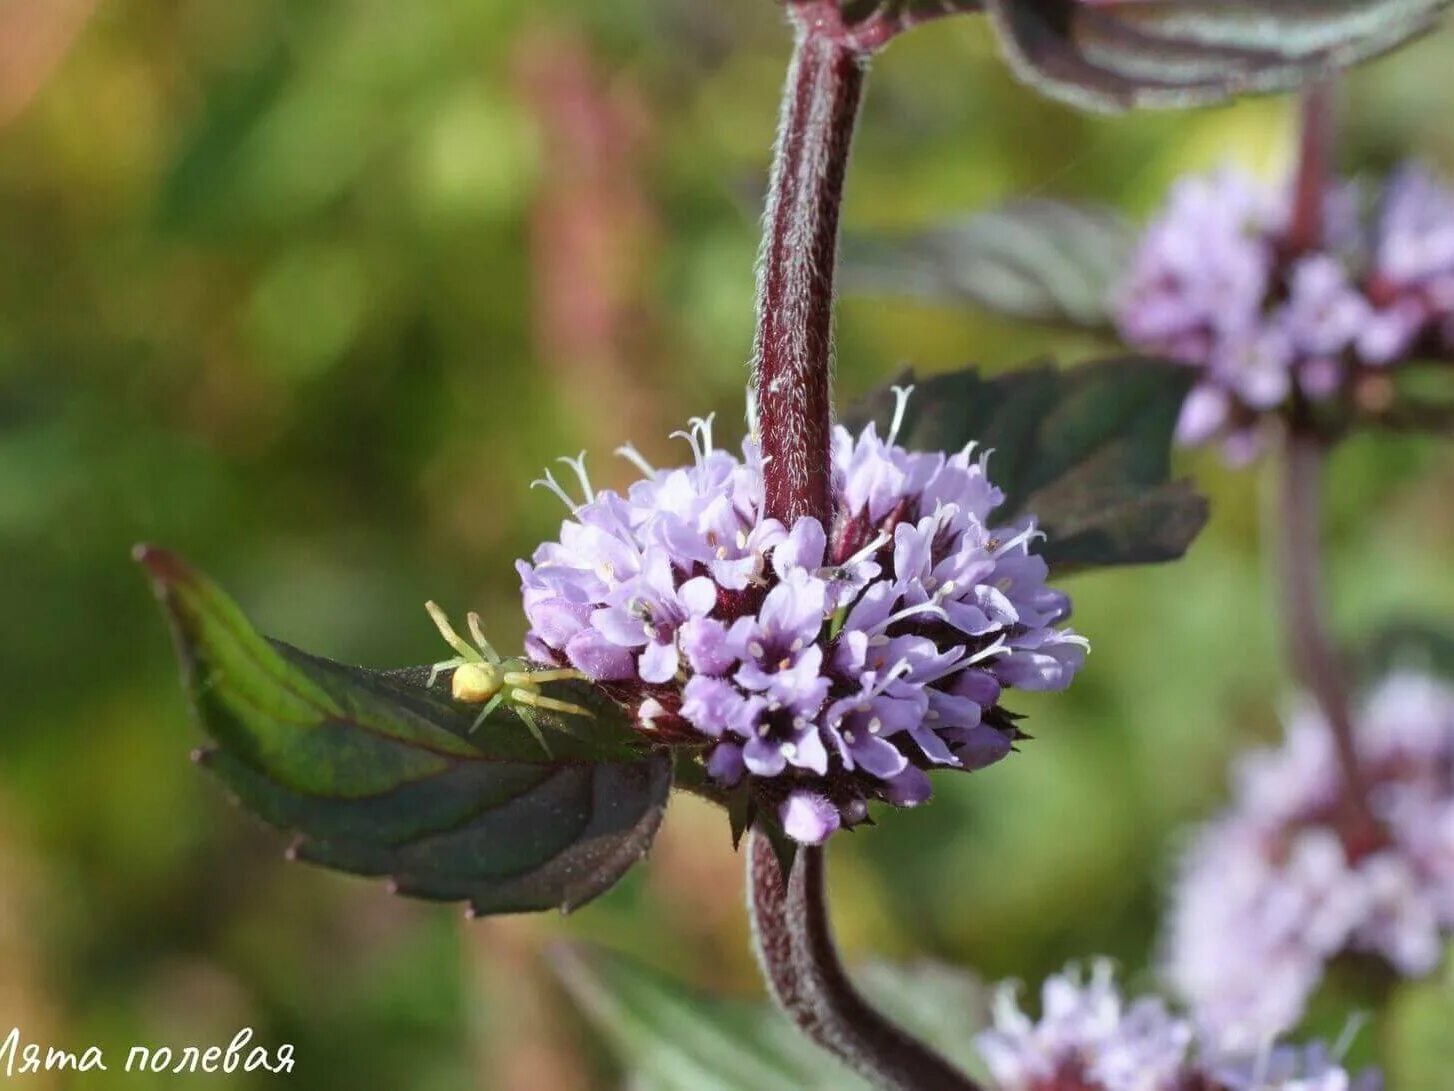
(1041, 260)
(1416, 645)
(672, 1038)
(1114, 54)
(379, 775)
(1087, 451)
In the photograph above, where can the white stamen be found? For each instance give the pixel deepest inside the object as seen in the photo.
(578, 464)
(763, 729)
(897, 671)
(799, 723)
(756, 650)
(1026, 535)
(999, 647)
(848, 737)
(944, 592)
(901, 403)
(691, 438)
(549, 482)
(797, 645)
(788, 750)
(875, 725)
(922, 608)
(703, 427)
(866, 552)
(633, 456)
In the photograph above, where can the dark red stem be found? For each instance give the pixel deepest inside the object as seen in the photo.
(1314, 169)
(1311, 647)
(793, 353)
(795, 947)
(792, 378)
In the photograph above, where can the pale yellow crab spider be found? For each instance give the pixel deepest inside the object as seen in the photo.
(481, 676)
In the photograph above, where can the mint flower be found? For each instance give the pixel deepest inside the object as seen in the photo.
(1273, 889)
(1213, 285)
(1089, 1039)
(822, 666)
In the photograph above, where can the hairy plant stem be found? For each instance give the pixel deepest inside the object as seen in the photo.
(793, 352)
(1311, 647)
(792, 376)
(795, 948)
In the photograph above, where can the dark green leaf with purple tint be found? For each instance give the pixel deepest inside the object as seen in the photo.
(1114, 54)
(1087, 451)
(379, 775)
(1040, 260)
(1412, 644)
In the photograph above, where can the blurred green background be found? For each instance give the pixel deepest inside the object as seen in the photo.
(309, 290)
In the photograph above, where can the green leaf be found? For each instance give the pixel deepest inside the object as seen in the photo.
(672, 1038)
(1115, 54)
(379, 775)
(1087, 451)
(1041, 260)
(1415, 645)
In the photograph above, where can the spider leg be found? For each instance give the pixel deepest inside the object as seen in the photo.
(452, 638)
(442, 665)
(531, 722)
(477, 630)
(490, 706)
(548, 676)
(539, 700)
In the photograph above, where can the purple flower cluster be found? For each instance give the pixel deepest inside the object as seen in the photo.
(822, 666)
(1214, 286)
(1089, 1039)
(1273, 889)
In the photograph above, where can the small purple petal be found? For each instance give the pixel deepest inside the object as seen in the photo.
(598, 659)
(659, 663)
(909, 789)
(809, 818)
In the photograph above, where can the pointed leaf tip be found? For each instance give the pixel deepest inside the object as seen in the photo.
(164, 566)
(381, 777)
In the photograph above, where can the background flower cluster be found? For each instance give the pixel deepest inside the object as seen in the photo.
(1218, 284)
